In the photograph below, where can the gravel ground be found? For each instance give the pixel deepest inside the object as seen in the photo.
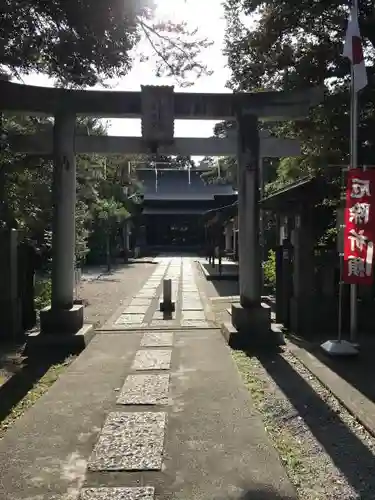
(105, 294)
(328, 455)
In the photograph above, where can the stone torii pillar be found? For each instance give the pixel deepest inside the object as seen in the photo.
(250, 316)
(63, 316)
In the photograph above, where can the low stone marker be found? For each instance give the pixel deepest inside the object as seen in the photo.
(167, 307)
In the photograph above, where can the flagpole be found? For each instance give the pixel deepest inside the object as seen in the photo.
(353, 164)
(353, 51)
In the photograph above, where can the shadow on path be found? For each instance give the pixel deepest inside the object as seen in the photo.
(347, 451)
(26, 376)
(258, 493)
(358, 371)
(226, 288)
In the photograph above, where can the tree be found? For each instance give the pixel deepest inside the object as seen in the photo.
(297, 44)
(178, 162)
(223, 171)
(292, 45)
(26, 200)
(108, 215)
(82, 43)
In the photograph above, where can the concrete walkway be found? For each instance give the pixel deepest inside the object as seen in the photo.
(145, 414)
(142, 310)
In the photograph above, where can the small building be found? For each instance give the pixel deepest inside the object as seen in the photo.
(174, 202)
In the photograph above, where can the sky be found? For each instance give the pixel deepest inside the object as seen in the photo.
(208, 17)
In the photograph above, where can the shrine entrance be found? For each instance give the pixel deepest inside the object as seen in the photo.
(175, 231)
(158, 107)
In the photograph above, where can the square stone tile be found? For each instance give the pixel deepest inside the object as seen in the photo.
(193, 316)
(157, 339)
(146, 493)
(145, 390)
(130, 441)
(130, 319)
(152, 359)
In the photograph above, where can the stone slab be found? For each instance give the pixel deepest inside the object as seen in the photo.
(146, 493)
(130, 441)
(160, 323)
(193, 316)
(145, 390)
(188, 305)
(152, 359)
(195, 324)
(140, 302)
(191, 295)
(129, 319)
(137, 309)
(146, 294)
(157, 339)
(159, 316)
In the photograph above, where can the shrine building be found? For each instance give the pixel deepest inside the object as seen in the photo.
(174, 202)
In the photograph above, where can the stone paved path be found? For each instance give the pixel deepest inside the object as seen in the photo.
(143, 310)
(145, 413)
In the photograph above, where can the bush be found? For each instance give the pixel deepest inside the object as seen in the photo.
(269, 270)
(43, 294)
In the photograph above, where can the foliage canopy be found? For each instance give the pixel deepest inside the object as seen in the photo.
(83, 42)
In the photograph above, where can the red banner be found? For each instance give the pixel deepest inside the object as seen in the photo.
(359, 233)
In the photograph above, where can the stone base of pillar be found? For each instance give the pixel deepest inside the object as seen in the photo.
(10, 318)
(69, 344)
(253, 326)
(61, 321)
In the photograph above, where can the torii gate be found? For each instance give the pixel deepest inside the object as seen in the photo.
(158, 107)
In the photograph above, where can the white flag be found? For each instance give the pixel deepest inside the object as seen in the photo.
(354, 52)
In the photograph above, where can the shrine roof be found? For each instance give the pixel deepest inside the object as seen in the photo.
(173, 184)
(220, 215)
(291, 197)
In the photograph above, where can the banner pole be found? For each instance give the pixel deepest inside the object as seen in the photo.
(341, 256)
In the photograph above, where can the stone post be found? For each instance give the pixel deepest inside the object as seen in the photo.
(302, 306)
(250, 316)
(63, 316)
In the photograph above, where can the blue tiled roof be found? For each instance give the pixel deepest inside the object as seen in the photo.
(174, 185)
